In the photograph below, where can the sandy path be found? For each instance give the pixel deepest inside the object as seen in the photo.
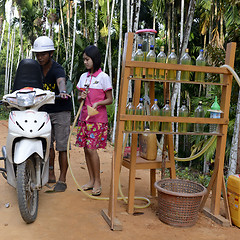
(71, 215)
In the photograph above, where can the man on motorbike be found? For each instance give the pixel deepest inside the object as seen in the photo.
(54, 79)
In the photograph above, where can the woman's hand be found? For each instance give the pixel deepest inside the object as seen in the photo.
(82, 95)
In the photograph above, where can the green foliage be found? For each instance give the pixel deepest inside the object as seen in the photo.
(191, 174)
(4, 113)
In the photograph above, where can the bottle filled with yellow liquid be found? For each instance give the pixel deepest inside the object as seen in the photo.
(200, 61)
(130, 110)
(186, 60)
(151, 57)
(166, 111)
(172, 59)
(139, 111)
(161, 58)
(138, 56)
(183, 112)
(155, 111)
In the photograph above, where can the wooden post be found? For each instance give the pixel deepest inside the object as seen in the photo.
(217, 183)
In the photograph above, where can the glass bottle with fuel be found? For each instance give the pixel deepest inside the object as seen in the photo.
(166, 111)
(151, 57)
(200, 61)
(130, 110)
(139, 111)
(199, 113)
(161, 58)
(138, 56)
(172, 59)
(186, 60)
(155, 111)
(183, 112)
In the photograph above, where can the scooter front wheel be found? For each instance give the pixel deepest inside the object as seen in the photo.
(26, 191)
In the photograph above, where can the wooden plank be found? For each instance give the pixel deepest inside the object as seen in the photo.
(125, 117)
(178, 67)
(132, 174)
(146, 164)
(225, 199)
(220, 83)
(116, 226)
(217, 218)
(152, 181)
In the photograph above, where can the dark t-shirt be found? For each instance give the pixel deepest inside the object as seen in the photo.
(50, 83)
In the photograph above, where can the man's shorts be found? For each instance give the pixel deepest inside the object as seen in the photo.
(61, 122)
(92, 135)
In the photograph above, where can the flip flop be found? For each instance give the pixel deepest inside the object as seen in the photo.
(60, 186)
(97, 191)
(86, 187)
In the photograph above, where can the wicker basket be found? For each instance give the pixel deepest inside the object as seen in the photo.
(179, 201)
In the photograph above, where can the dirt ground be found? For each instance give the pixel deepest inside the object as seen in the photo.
(72, 215)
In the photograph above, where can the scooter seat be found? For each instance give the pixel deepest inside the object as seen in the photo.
(28, 75)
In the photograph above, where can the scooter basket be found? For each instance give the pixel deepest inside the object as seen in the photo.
(179, 201)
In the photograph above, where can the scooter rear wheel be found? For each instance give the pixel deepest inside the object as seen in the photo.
(27, 194)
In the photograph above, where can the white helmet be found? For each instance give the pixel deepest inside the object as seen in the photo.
(43, 44)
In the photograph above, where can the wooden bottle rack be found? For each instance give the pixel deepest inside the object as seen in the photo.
(217, 184)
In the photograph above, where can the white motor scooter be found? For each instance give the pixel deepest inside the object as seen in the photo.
(26, 155)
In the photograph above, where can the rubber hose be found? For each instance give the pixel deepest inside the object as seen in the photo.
(80, 188)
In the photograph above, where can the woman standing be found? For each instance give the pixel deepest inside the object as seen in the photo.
(95, 89)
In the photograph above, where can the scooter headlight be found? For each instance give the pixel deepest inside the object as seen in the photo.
(25, 99)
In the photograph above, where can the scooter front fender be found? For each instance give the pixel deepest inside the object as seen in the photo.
(25, 148)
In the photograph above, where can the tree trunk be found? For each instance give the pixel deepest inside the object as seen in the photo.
(109, 36)
(6, 84)
(63, 30)
(96, 23)
(118, 72)
(2, 34)
(187, 31)
(20, 30)
(73, 49)
(44, 17)
(12, 58)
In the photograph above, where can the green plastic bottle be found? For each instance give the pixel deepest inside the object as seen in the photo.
(215, 112)
(151, 57)
(130, 110)
(200, 61)
(138, 56)
(172, 59)
(166, 111)
(139, 111)
(186, 60)
(161, 58)
(199, 113)
(155, 111)
(183, 112)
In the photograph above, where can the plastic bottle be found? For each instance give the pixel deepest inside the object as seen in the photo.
(138, 56)
(151, 57)
(139, 111)
(155, 111)
(183, 112)
(161, 58)
(215, 112)
(172, 59)
(166, 111)
(130, 110)
(200, 61)
(186, 60)
(199, 113)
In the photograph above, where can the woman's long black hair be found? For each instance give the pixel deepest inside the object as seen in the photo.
(94, 53)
